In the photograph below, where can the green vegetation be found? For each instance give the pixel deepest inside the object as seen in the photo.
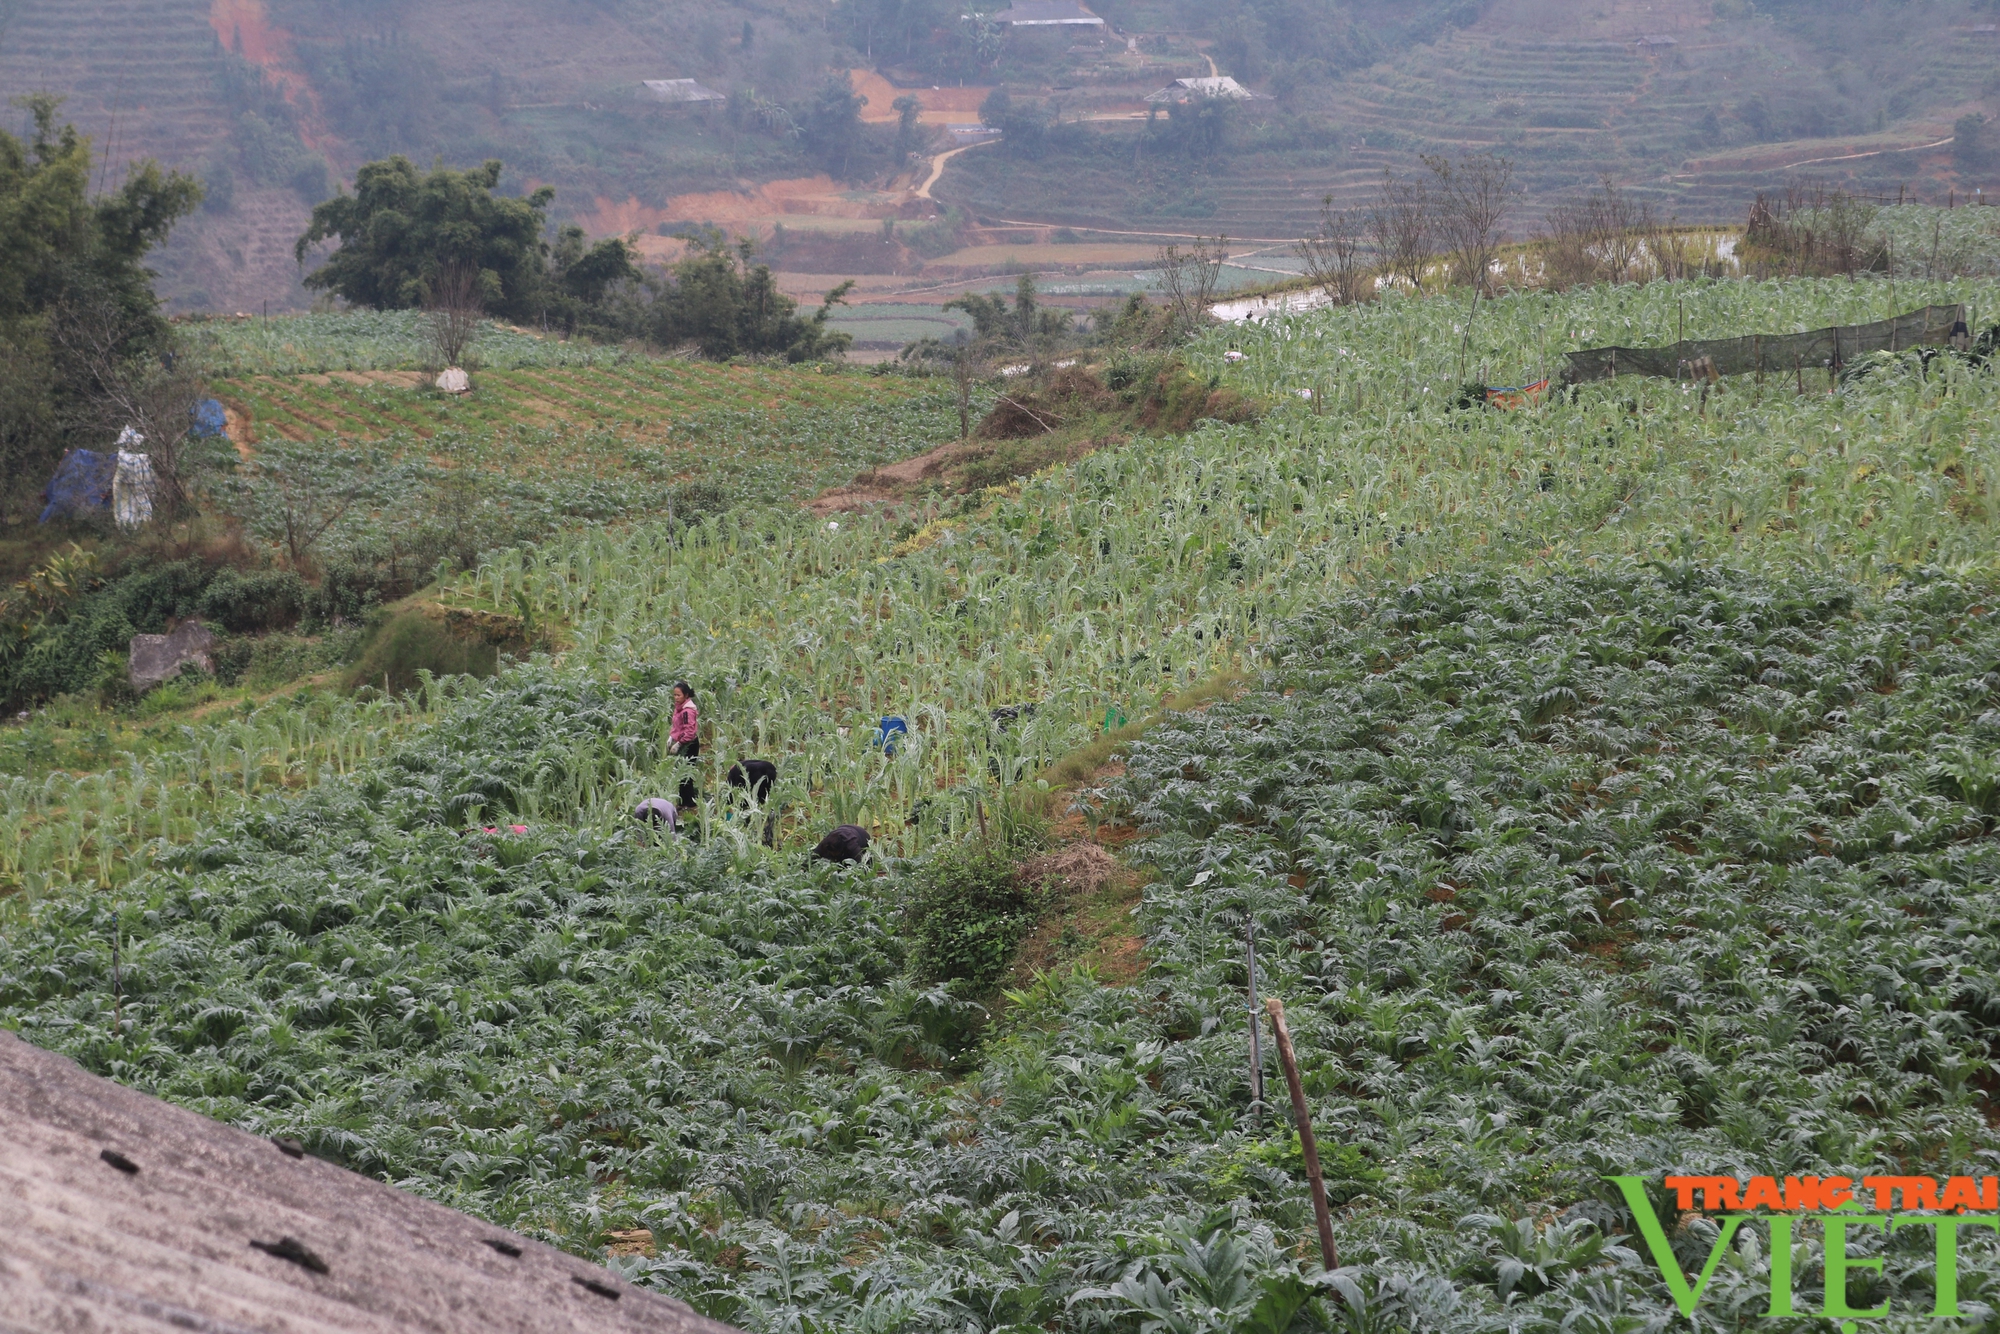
(1611, 794)
(967, 915)
(408, 240)
(378, 340)
(675, 442)
(721, 302)
(80, 334)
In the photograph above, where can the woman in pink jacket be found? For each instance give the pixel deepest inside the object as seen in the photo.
(684, 737)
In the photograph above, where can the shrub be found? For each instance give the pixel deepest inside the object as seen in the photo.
(411, 641)
(969, 914)
(347, 592)
(248, 603)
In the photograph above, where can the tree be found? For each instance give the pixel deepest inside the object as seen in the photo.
(1187, 280)
(302, 494)
(831, 128)
(1023, 126)
(1333, 256)
(1027, 324)
(451, 314)
(1199, 126)
(128, 380)
(399, 230)
(61, 248)
(1468, 199)
(1399, 222)
(909, 132)
(580, 275)
(1968, 141)
(1598, 238)
(719, 300)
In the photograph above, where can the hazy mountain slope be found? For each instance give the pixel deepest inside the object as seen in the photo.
(1688, 101)
(1697, 102)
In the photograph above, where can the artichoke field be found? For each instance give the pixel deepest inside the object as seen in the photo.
(1613, 794)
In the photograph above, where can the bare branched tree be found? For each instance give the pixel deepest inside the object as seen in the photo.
(1188, 279)
(1471, 197)
(452, 311)
(303, 496)
(1333, 257)
(1595, 239)
(1813, 230)
(152, 389)
(1400, 224)
(1672, 250)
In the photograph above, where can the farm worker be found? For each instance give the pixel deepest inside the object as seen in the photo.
(657, 811)
(847, 843)
(757, 777)
(684, 736)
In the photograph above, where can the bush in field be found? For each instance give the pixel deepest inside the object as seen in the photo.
(718, 300)
(968, 913)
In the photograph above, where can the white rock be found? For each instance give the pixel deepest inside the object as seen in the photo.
(455, 381)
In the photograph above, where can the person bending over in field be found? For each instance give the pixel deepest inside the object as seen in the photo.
(684, 738)
(757, 777)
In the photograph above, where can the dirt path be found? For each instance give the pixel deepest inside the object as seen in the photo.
(885, 485)
(937, 167)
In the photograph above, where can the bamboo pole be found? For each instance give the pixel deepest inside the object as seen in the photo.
(1307, 1144)
(1256, 1046)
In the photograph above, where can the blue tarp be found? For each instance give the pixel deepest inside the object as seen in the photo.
(82, 484)
(886, 734)
(209, 420)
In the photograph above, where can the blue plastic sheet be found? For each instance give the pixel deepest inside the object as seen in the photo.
(82, 484)
(886, 734)
(210, 420)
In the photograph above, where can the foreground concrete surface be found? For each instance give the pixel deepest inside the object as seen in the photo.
(119, 1212)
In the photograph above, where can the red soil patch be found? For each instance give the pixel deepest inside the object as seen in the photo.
(941, 106)
(246, 24)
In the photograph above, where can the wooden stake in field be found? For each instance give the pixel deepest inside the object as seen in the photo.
(1307, 1144)
(1256, 1045)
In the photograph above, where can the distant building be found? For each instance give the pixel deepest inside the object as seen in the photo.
(1048, 14)
(678, 92)
(1195, 90)
(1656, 40)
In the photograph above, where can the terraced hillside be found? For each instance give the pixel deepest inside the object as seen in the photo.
(1611, 790)
(1694, 111)
(144, 78)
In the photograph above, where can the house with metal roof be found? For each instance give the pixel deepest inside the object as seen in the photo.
(123, 1214)
(1048, 14)
(680, 92)
(1195, 90)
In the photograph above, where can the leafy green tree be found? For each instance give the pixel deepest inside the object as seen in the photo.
(400, 229)
(584, 274)
(909, 130)
(1969, 141)
(62, 249)
(720, 300)
(1026, 324)
(831, 128)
